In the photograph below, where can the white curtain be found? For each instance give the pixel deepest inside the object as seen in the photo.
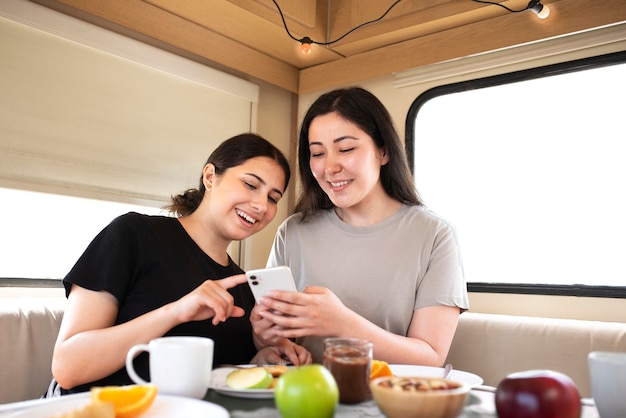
(88, 112)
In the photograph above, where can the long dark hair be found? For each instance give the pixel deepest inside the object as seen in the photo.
(230, 153)
(362, 108)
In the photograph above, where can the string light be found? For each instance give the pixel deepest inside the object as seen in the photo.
(535, 6)
(541, 10)
(306, 43)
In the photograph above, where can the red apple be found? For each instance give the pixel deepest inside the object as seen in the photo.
(537, 394)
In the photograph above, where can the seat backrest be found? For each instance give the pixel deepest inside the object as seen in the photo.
(28, 331)
(494, 346)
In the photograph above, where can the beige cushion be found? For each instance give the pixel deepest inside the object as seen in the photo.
(489, 345)
(493, 346)
(28, 330)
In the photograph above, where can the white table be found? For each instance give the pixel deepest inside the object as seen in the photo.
(480, 404)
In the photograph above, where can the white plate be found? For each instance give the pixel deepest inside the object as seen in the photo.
(218, 379)
(164, 406)
(469, 379)
(218, 384)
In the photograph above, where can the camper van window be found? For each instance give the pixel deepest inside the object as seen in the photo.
(529, 166)
(44, 234)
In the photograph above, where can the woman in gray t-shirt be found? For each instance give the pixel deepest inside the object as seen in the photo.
(369, 260)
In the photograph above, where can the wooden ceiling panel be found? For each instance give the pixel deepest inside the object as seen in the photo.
(305, 13)
(411, 23)
(248, 37)
(483, 36)
(242, 26)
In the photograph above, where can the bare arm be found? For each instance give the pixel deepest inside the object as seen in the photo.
(318, 311)
(89, 346)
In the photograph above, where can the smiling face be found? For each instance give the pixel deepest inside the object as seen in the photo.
(345, 161)
(244, 199)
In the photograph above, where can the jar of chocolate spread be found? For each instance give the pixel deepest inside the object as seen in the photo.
(349, 360)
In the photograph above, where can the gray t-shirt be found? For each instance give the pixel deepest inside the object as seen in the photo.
(383, 271)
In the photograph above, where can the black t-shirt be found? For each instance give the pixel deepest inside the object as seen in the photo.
(147, 262)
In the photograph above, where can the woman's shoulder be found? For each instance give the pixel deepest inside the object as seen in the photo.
(423, 214)
(135, 220)
(138, 217)
(318, 217)
(296, 225)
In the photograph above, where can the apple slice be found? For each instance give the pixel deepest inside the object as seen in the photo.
(249, 378)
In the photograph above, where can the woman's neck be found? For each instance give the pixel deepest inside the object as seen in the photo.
(204, 236)
(370, 211)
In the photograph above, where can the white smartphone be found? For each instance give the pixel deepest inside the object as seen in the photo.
(262, 281)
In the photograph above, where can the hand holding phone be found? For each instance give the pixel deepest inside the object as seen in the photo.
(262, 281)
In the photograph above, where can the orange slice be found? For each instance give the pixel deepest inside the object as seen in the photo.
(129, 401)
(379, 369)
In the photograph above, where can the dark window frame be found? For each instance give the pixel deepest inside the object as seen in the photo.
(513, 77)
(30, 283)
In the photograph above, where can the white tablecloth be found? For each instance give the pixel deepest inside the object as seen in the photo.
(480, 404)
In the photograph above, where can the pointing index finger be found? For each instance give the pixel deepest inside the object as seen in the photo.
(232, 281)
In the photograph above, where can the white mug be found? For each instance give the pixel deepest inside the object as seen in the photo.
(178, 365)
(608, 382)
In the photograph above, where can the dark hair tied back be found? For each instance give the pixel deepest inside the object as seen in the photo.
(230, 153)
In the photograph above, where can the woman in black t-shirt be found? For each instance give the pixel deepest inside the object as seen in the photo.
(144, 277)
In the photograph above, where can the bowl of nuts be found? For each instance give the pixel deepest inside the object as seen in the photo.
(419, 397)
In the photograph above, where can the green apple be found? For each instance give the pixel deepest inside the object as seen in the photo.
(306, 392)
(249, 378)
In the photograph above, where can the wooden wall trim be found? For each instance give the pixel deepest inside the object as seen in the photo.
(610, 38)
(149, 21)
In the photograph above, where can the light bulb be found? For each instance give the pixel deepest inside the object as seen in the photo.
(306, 48)
(539, 9)
(305, 45)
(544, 12)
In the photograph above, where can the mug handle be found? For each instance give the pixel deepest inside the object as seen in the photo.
(129, 363)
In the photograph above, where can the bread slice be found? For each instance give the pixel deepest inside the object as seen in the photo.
(276, 370)
(92, 410)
